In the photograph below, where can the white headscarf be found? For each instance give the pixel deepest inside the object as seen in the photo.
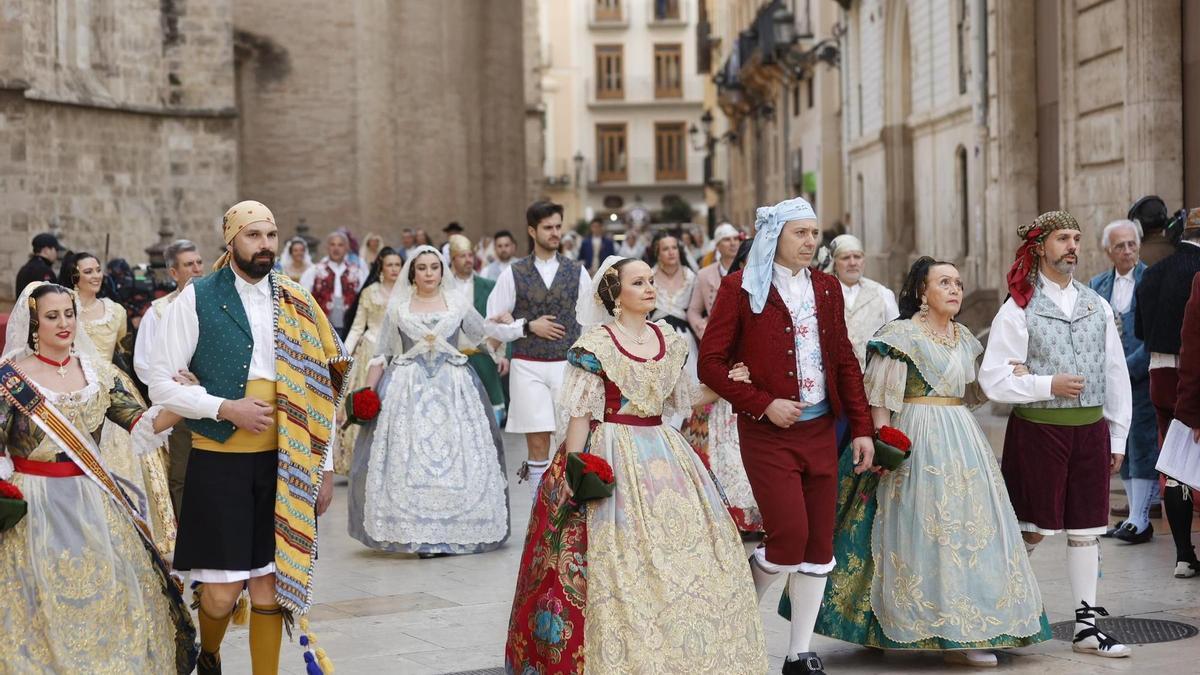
(16, 337)
(843, 243)
(589, 310)
(768, 223)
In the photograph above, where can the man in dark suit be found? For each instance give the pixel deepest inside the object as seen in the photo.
(1161, 300)
(1122, 242)
(40, 266)
(595, 248)
(787, 324)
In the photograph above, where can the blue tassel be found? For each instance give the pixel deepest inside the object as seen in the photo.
(303, 640)
(314, 669)
(309, 658)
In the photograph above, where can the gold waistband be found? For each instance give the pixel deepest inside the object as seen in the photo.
(242, 440)
(934, 400)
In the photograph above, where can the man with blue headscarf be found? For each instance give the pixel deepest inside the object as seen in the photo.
(787, 324)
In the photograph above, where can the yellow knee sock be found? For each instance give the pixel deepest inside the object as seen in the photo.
(212, 630)
(266, 633)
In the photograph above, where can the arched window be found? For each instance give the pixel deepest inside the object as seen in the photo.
(963, 187)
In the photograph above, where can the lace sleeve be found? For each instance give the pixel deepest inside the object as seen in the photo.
(884, 381)
(681, 399)
(390, 344)
(472, 328)
(582, 395)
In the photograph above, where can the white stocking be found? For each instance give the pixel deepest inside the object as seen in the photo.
(805, 593)
(1083, 570)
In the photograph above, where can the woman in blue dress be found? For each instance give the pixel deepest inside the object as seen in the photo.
(930, 556)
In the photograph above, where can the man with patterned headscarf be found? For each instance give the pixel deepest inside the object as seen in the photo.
(1072, 410)
(270, 371)
(786, 322)
(869, 304)
(476, 289)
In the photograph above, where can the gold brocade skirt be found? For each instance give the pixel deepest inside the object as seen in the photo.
(669, 589)
(148, 474)
(78, 591)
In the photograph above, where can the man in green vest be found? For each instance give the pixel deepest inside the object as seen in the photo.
(269, 370)
(476, 289)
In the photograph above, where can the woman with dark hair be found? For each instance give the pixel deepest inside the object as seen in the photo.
(674, 281)
(427, 475)
(653, 578)
(106, 323)
(84, 590)
(936, 556)
(365, 319)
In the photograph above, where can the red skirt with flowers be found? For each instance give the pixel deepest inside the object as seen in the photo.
(545, 632)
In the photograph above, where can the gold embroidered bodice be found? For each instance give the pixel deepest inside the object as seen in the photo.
(108, 330)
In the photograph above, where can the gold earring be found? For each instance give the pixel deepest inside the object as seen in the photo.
(617, 312)
(924, 309)
(35, 342)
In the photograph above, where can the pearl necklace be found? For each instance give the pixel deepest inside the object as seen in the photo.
(637, 339)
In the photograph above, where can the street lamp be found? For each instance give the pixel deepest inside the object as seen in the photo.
(578, 159)
(783, 28)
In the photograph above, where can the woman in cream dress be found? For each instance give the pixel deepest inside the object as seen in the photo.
(82, 588)
(652, 579)
(106, 324)
(366, 317)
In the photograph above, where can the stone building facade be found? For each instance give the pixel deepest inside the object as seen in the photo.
(961, 119)
(621, 94)
(382, 115)
(121, 118)
(117, 118)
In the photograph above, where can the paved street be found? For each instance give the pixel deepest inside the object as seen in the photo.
(384, 613)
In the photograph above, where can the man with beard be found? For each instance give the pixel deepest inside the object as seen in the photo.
(533, 307)
(268, 371)
(505, 247)
(183, 265)
(1072, 410)
(335, 281)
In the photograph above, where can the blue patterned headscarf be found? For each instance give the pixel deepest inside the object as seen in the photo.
(768, 223)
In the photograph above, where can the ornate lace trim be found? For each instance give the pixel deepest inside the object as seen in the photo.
(142, 436)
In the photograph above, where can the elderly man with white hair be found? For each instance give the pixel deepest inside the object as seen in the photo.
(869, 304)
(1122, 240)
(335, 281)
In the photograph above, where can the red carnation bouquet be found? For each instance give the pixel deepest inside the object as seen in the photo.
(13, 506)
(892, 447)
(589, 477)
(362, 406)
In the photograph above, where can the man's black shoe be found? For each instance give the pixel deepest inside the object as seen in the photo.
(1129, 534)
(807, 663)
(208, 664)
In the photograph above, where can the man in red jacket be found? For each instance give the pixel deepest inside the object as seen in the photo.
(786, 322)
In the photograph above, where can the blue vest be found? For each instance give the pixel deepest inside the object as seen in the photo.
(222, 359)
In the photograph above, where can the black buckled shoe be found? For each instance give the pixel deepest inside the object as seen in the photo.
(208, 663)
(1129, 534)
(807, 663)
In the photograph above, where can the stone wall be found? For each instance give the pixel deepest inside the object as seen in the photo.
(378, 116)
(116, 119)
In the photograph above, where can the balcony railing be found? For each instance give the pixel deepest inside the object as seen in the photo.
(644, 90)
(641, 171)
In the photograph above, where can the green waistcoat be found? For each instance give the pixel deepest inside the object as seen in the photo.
(482, 362)
(222, 359)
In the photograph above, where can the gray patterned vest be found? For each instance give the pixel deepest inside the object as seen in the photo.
(1074, 345)
(534, 300)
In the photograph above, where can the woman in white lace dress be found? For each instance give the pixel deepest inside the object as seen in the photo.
(428, 474)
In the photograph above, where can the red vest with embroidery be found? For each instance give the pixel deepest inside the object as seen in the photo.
(322, 290)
